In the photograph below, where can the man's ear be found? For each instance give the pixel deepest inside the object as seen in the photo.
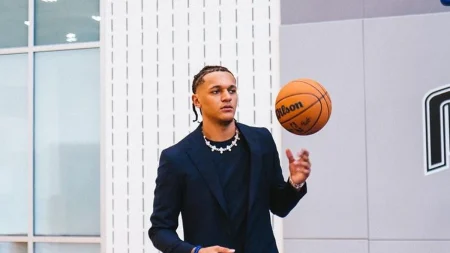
(195, 101)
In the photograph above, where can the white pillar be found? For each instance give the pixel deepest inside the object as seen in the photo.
(151, 51)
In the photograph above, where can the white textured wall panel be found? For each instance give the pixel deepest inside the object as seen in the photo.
(152, 50)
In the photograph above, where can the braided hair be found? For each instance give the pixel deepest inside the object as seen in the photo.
(198, 79)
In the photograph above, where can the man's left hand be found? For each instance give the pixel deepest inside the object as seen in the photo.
(299, 167)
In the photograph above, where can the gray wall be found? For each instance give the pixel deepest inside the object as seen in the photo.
(367, 190)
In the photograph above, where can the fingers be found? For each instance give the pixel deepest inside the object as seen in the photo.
(303, 168)
(303, 154)
(305, 165)
(223, 249)
(306, 173)
(290, 156)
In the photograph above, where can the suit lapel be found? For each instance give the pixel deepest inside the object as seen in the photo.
(255, 162)
(201, 157)
(205, 165)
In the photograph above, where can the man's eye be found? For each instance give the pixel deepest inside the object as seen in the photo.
(214, 91)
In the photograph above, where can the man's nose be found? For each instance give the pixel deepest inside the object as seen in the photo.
(226, 96)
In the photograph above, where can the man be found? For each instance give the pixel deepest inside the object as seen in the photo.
(223, 178)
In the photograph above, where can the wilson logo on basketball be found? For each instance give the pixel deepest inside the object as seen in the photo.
(283, 110)
(303, 106)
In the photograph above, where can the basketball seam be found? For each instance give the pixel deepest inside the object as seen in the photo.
(321, 109)
(307, 93)
(328, 107)
(329, 111)
(321, 92)
(318, 100)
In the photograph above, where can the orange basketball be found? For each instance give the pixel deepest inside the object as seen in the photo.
(303, 106)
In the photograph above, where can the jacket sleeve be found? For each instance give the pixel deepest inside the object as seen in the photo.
(166, 209)
(283, 196)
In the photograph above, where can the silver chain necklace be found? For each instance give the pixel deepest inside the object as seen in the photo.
(228, 147)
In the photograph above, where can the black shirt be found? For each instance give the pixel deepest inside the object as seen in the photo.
(233, 169)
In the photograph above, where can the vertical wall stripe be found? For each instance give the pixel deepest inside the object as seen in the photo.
(153, 49)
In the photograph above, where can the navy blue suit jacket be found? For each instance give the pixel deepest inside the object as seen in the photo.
(187, 183)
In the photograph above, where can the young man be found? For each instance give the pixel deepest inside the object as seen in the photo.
(224, 178)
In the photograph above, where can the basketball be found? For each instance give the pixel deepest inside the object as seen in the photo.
(303, 106)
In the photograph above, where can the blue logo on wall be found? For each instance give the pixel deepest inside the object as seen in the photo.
(445, 2)
(436, 129)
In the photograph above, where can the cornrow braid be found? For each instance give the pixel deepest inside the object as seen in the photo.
(198, 79)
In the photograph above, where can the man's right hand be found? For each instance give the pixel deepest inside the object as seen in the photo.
(216, 249)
